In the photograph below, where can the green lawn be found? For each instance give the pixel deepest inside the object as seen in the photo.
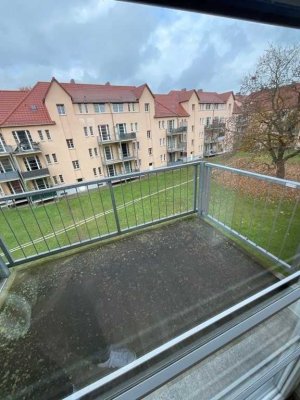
(273, 223)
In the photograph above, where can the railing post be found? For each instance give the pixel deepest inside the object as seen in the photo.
(195, 187)
(203, 189)
(4, 271)
(113, 201)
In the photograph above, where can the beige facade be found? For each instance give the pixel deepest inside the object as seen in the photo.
(82, 137)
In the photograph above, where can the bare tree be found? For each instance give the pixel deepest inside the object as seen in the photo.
(269, 112)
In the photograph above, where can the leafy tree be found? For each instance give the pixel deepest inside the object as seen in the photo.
(269, 113)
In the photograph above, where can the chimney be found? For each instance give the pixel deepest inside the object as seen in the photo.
(107, 83)
(200, 90)
(72, 80)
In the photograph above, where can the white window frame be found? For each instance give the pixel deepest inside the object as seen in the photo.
(118, 107)
(61, 109)
(76, 164)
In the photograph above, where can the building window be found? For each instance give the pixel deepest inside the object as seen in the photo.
(193, 127)
(91, 153)
(159, 124)
(96, 151)
(85, 130)
(41, 136)
(131, 107)
(75, 164)
(15, 187)
(150, 151)
(70, 143)
(61, 109)
(61, 178)
(161, 157)
(136, 126)
(99, 170)
(32, 163)
(48, 134)
(147, 107)
(54, 157)
(108, 153)
(148, 134)
(163, 124)
(91, 131)
(83, 108)
(79, 179)
(55, 180)
(164, 157)
(138, 145)
(40, 184)
(95, 171)
(99, 108)
(80, 108)
(48, 159)
(193, 107)
(192, 142)
(164, 141)
(207, 106)
(131, 127)
(104, 132)
(170, 124)
(117, 107)
(111, 170)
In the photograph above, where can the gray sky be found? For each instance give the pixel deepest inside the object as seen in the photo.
(102, 40)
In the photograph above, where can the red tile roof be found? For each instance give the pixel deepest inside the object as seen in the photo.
(183, 95)
(30, 110)
(8, 101)
(210, 97)
(91, 93)
(168, 105)
(225, 96)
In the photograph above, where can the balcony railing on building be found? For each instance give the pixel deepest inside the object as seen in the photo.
(176, 146)
(35, 173)
(22, 148)
(5, 149)
(119, 158)
(116, 137)
(9, 176)
(174, 131)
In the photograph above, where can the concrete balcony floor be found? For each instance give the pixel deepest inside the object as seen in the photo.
(60, 318)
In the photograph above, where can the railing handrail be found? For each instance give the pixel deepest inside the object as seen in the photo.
(283, 182)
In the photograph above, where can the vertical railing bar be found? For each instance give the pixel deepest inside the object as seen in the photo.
(242, 207)
(52, 227)
(234, 205)
(214, 196)
(166, 199)
(289, 227)
(173, 192)
(62, 221)
(264, 210)
(133, 202)
(6, 252)
(95, 218)
(87, 228)
(157, 189)
(71, 212)
(124, 204)
(27, 231)
(220, 196)
(195, 187)
(253, 215)
(142, 200)
(113, 201)
(104, 211)
(150, 195)
(187, 188)
(40, 229)
(12, 231)
(180, 187)
(274, 221)
(227, 199)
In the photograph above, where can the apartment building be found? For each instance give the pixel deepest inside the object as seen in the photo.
(215, 111)
(58, 133)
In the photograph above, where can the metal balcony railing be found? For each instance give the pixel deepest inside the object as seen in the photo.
(116, 137)
(9, 176)
(5, 149)
(22, 148)
(178, 146)
(35, 173)
(174, 131)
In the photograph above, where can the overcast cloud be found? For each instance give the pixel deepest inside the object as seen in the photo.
(102, 40)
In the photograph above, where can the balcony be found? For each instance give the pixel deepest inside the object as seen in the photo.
(213, 138)
(216, 285)
(175, 131)
(9, 176)
(178, 146)
(27, 148)
(36, 173)
(117, 137)
(5, 150)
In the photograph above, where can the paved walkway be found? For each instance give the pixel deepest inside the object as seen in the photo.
(137, 292)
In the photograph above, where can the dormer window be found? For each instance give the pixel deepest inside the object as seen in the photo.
(61, 109)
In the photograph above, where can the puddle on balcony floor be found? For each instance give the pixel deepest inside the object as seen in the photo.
(61, 319)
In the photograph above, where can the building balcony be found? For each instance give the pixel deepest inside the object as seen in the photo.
(215, 127)
(213, 139)
(173, 147)
(176, 131)
(27, 148)
(219, 286)
(9, 176)
(117, 137)
(36, 173)
(5, 150)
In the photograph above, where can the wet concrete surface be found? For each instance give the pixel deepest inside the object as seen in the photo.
(59, 319)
